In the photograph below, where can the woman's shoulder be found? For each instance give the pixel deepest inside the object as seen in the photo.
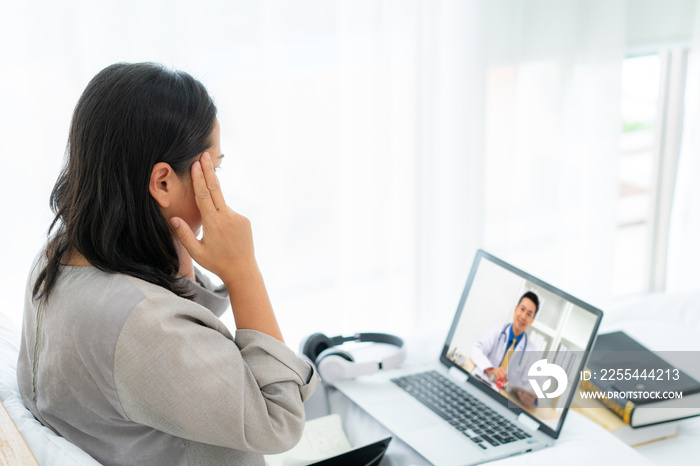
(130, 294)
(160, 309)
(206, 297)
(97, 298)
(85, 298)
(99, 309)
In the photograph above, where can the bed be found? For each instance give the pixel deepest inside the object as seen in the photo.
(662, 322)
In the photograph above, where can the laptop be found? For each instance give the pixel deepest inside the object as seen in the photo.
(504, 380)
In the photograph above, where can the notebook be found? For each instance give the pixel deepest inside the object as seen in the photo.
(505, 377)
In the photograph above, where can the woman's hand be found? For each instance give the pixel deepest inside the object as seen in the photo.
(186, 265)
(226, 247)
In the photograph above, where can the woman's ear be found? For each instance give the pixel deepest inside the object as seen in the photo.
(161, 183)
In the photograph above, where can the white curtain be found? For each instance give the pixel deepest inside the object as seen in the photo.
(375, 145)
(552, 129)
(684, 233)
(345, 124)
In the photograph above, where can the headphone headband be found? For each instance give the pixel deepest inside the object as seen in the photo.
(370, 338)
(334, 364)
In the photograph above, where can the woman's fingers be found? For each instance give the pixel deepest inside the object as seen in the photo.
(186, 236)
(202, 194)
(212, 181)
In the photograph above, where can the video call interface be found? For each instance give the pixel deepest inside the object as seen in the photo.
(508, 323)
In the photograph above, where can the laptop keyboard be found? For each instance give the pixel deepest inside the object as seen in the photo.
(462, 411)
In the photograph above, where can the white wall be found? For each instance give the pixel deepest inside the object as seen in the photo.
(649, 24)
(654, 23)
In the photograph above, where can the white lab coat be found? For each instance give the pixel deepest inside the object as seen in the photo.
(489, 351)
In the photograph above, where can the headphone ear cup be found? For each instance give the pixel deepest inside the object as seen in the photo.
(334, 364)
(314, 345)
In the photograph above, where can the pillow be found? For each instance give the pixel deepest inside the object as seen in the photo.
(9, 352)
(48, 447)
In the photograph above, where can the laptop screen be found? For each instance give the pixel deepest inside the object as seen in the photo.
(521, 340)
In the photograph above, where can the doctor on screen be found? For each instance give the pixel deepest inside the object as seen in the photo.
(503, 346)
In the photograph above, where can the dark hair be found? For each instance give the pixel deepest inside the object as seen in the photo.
(532, 297)
(130, 117)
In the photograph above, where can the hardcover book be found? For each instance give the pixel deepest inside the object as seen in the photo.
(606, 418)
(634, 382)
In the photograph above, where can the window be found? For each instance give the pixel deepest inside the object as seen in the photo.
(640, 98)
(652, 110)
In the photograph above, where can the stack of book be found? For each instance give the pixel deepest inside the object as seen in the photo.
(619, 365)
(600, 414)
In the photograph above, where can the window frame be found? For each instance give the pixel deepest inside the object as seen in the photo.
(667, 146)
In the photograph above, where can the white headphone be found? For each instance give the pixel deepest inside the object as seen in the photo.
(335, 364)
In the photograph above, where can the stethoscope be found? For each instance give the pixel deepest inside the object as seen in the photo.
(505, 340)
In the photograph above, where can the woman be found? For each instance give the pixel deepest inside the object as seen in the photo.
(122, 350)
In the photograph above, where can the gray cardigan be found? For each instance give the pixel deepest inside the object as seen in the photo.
(134, 374)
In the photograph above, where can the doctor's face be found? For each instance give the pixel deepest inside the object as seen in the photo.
(523, 316)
